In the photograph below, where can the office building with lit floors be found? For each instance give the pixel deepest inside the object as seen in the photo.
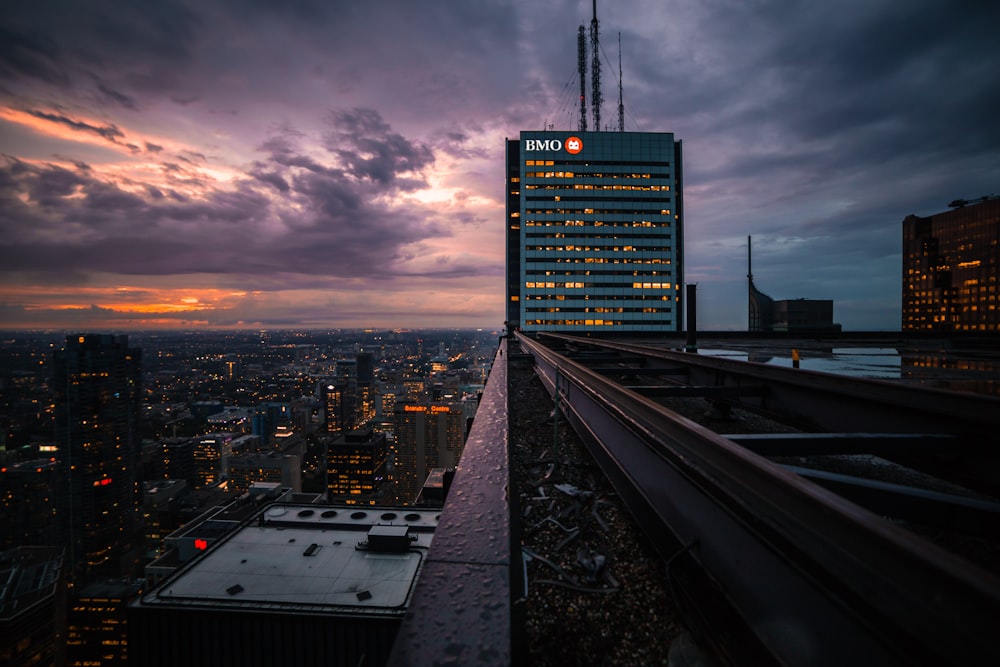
(96, 391)
(97, 625)
(427, 437)
(595, 232)
(356, 468)
(951, 269)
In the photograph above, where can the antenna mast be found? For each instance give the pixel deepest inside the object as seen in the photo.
(621, 102)
(595, 71)
(581, 64)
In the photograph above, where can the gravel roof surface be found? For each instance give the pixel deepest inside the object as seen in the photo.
(597, 592)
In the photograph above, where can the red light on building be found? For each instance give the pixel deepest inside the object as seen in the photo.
(200, 544)
(103, 482)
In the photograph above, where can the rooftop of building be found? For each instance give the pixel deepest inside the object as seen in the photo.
(27, 575)
(308, 559)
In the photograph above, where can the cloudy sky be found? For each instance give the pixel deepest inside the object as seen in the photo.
(313, 163)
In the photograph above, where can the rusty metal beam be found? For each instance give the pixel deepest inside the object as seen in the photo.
(821, 580)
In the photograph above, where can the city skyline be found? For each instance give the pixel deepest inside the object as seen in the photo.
(305, 165)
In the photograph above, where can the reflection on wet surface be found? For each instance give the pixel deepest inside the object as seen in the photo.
(970, 370)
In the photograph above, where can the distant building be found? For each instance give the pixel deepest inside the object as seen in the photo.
(97, 626)
(32, 607)
(160, 511)
(208, 452)
(435, 489)
(242, 470)
(594, 231)
(177, 459)
(366, 387)
(951, 269)
(427, 437)
(220, 515)
(303, 585)
(765, 314)
(27, 504)
(337, 406)
(803, 315)
(356, 468)
(268, 419)
(233, 419)
(96, 386)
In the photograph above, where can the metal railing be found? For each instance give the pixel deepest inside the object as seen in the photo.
(820, 580)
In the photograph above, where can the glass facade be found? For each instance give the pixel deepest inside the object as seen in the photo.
(951, 264)
(594, 231)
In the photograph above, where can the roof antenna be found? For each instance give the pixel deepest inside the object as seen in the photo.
(595, 71)
(581, 64)
(621, 103)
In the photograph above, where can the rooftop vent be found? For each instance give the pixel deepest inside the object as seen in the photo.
(388, 539)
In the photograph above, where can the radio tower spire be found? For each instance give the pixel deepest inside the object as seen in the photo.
(621, 102)
(595, 71)
(581, 64)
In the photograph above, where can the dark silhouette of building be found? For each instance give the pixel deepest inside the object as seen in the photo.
(97, 625)
(337, 409)
(27, 504)
(594, 232)
(32, 607)
(768, 315)
(366, 386)
(96, 386)
(951, 269)
(314, 465)
(177, 459)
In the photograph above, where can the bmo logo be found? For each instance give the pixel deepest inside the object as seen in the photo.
(573, 145)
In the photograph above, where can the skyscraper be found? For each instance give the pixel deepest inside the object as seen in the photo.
(96, 386)
(366, 386)
(594, 231)
(335, 395)
(951, 269)
(427, 437)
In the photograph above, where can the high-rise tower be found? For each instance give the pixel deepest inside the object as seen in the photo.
(96, 386)
(594, 231)
(951, 267)
(427, 437)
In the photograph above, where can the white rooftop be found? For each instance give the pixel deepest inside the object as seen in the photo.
(307, 558)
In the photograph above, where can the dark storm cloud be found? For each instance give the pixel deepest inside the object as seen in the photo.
(28, 53)
(368, 148)
(117, 98)
(127, 48)
(271, 177)
(109, 132)
(64, 220)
